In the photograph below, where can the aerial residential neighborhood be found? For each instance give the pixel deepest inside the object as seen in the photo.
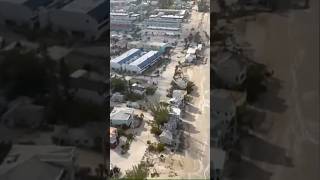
(159, 69)
(263, 102)
(159, 89)
(53, 89)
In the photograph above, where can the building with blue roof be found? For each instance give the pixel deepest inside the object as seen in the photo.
(83, 18)
(120, 62)
(135, 61)
(144, 62)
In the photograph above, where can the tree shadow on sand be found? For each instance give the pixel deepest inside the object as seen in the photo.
(188, 117)
(245, 170)
(192, 145)
(195, 92)
(258, 149)
(256, 120)
(192, 109)
(270, 100)
(190, 128)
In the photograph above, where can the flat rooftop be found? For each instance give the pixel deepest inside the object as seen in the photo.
(120, 58)
(163, 28)
(118, 14)
(82, 6)
(143, 58)
(14, 1)
(33, 4)
(121, 113)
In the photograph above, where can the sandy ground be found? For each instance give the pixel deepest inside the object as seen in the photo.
(194, 161)
(137, 148)
(197, 156)
(288, 147)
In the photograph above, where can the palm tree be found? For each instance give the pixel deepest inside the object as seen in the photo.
(190, 86)
(140, 172)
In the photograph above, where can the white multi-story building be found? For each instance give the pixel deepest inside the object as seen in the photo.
(87, 18)
(122, 21)
(162, 20)
(21, 12)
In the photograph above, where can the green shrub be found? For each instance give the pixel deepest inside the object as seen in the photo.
(121, 132)
(130, 137)
(160, 147)
(161, 114)
(126, 146)
(155, 130)
(152, 147)
(150, 90)
(156, 147)
(119, 85)
(140, 172)
(133, 97)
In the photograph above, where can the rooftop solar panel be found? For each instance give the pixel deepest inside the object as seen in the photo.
(126, 56)
(146, 59)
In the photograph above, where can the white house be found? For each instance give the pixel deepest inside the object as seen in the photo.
(122, 21)
(166, 137)
(177, 99)
(171, 125)
(39, 162)
(189, 58)
(23, 114)
(121, 116)
(21, 12)
(223, 105)
(87, 18)
(113, 137)
(181, 82)
(175, 113)
(138, 89)
(231, 69)
(85, 136)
